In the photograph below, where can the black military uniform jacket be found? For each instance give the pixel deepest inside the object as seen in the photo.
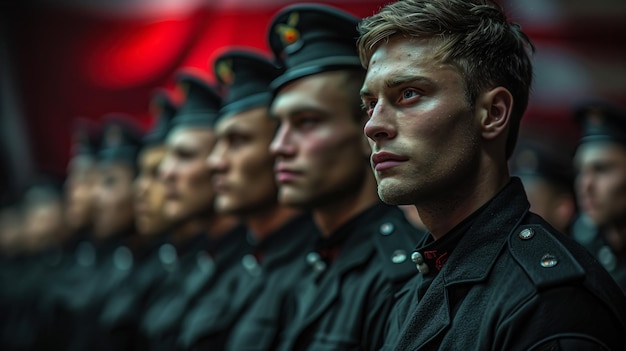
(511, 283)
(282, 265)
(613, 262)
(208, 325)
(344, 302)
(198, 268)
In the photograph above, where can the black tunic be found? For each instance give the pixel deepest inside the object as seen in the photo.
(511, 283)
(209, 324)
(344, 301)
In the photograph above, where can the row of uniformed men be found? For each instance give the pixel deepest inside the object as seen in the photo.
(227, 226)
(276, 237)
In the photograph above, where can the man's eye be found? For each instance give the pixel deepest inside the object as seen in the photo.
(306, 122)
(236, 140)
(368, 106)
(408, 93)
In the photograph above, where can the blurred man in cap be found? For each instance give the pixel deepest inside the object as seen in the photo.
(82, 176)
(243, 177)
(601, 184)
(203, 242)
(189, 193)
(114, 229)
(149, 189)
(547, 173)
(322, 164)
(447, 85)
(114, 193)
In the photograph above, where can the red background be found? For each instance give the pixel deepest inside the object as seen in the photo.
(71, 60)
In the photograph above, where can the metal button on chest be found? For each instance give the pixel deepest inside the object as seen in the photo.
(526, 234)
(251, 265)
(315, 260)
(398, 256)
(386, 228)
(607, 258)
(549, 260)
(205, 262)
(417, 258)
(123, 258)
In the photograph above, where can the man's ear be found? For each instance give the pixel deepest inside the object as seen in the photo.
(496, 105)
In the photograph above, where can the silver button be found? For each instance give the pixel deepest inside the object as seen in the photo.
(205, 262)
(526, 234)
(251, 264)
(168, 256)
(398, 256)
(607, 258)
(548, 261)
(417, 257)
(315, 260)
(386, 228)
(123, 258)
(312, 257)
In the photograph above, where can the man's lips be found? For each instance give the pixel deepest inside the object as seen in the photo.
(220, 185)
(386, 160)
(285, 174)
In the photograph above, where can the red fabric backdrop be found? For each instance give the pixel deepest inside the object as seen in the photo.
(73, 61)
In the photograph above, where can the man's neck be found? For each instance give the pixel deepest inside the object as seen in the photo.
(333, 215)
(453, 207)
(262, 224)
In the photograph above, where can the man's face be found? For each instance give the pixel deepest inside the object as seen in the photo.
(241, 163)
(321, 153)
(184, 170)
(79, 192)
(150, 192)
(423, 132)
(601, 182)
(114, 200)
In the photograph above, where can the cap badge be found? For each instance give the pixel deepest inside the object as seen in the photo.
(289, 35)
(225, 71)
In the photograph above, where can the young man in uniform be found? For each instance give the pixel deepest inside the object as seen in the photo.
(322, 164)
(447, 84)
(149, 189)
(203, 243)
(243, 177)
(601, 184)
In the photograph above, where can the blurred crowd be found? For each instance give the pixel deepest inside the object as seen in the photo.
(197, 234)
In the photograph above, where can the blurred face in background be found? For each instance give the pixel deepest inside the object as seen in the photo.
(185, 173)
(80, 192)
(114, 200)
(241, 163)
(150, 193)
(321, 152)
(601, 181)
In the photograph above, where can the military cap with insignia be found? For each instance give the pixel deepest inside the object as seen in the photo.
(85, 138)
(245, 76)
(121, 139)
(163, 109)
(601, 121)
(309, 39)
(201, 104)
